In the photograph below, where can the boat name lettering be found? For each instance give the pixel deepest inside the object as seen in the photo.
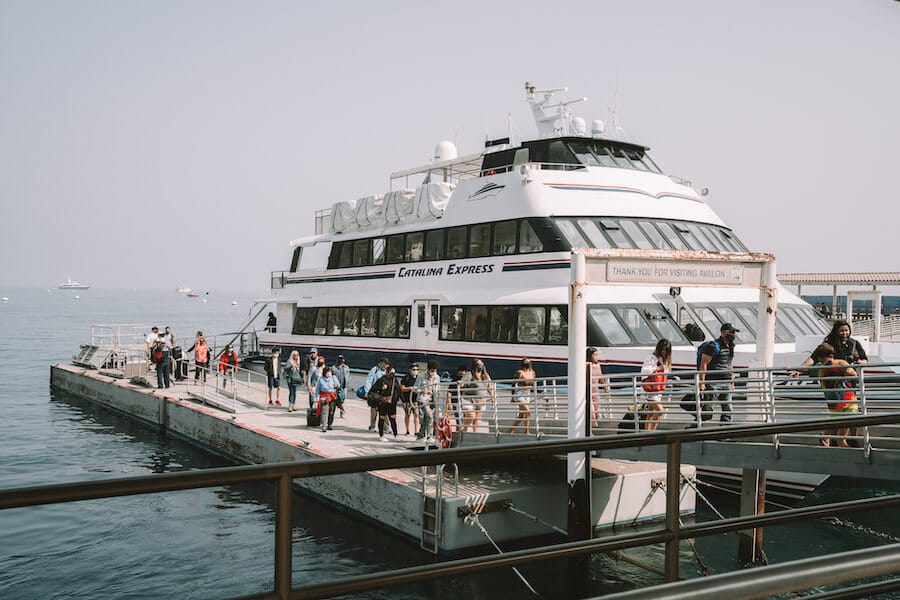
(452, 269)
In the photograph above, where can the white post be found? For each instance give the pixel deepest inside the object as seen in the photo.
(876, 314)
(577, 348)
(768, 305)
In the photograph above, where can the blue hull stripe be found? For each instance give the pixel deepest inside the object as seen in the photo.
(391, 275)
(536, 266)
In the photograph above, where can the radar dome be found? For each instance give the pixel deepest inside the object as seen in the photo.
(445, 150)
(597, 128)
(579, 125)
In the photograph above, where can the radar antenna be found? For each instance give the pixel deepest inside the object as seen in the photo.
(552, 120)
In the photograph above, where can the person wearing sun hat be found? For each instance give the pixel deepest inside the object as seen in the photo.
(716, 377)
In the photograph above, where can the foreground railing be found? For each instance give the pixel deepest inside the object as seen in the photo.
(879, 562)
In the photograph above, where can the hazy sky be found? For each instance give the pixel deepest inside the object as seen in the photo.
(152, 144)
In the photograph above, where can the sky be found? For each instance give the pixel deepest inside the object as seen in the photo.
(158, 144)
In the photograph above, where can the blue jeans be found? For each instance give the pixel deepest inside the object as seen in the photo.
(720, 391)
(162, 371)
(292, 393)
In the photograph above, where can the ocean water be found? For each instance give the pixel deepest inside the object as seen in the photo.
(218, 542)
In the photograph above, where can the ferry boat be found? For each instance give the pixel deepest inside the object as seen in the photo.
(469, 256)
(72, 285)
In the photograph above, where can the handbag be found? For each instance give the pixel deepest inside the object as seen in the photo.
(689, 403)
(655, 382)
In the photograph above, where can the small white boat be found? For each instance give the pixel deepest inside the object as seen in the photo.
(183, 290)
(4, 299)
(234, 302)
(77, 297)
(69, 284)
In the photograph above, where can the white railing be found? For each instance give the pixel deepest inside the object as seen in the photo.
(759, 396)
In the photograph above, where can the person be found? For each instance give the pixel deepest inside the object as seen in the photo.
(151, 341)
(228, 363)
(170, 337)
(341, 371)
(427, 387)
(655, 365)
(386, 391)
(293, 376)
(845, 347)
(462, 408)
(522, 392)
(312, 377)
(479, 389)
(375, 373)
(310, 362)
(595, 380)
(163, 365)
(271, 323)
(841, 399)
(718, 356)
(201, 357)
(407, 386)
(273, 376)
(326, 398)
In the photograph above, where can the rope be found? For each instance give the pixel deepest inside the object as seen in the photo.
(704, 570)
(536, 519)
(472, 519)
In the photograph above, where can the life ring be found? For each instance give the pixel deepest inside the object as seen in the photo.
(445, 433)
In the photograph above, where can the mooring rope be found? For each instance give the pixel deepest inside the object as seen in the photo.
(536, 519)
(704, 570)
(472, 519)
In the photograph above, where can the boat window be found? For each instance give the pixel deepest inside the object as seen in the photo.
(452, 322)
(434, 315)
(530, 327)
(728, 314)
(636, 159)
(637, 325)
(596, 237)
(584, 154)
(321, 318)
(421, 315)
(503, 324)
(611, 228)
(403, 322)
(477, 324)
(619, 156)
(572, 235)
(295, 258)
(304, 321)
(559, 326)
(351, 321)
(671, 236)
(346, 259)
(792, 321)
(361, 253)
(396, 248)
(664, 325)
(610, 330)
(655, 237)
(367, 321)
(335, 323)
(635, 233)
(806, 316)
(690, 239)
(415, 243)
(387, 322)
(559, 156)
(480, 240)
(504, 238)
(456, 242)
(710, 241)
(434, 244)
(710, 319)
(378, 251)
(528, 239)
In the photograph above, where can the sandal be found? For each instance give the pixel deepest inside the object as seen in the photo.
(824, 442)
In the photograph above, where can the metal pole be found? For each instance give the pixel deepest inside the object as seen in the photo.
(673, 509)
(580, 519)
(283, 536)
(768, 306)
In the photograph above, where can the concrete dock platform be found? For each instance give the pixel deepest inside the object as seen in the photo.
(515, 500)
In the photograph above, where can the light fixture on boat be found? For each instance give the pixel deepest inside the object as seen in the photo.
(597, 128)
(704, 191)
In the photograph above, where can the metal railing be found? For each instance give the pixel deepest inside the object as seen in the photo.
(671, 533)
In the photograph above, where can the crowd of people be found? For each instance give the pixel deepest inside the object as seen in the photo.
(471, 389)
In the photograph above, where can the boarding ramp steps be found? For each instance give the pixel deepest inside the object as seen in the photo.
(495, 412)
(433, 504)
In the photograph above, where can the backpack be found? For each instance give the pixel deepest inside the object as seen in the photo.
(156, 353)
(700, 350)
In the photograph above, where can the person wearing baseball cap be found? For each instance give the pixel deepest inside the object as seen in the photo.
(716, 376)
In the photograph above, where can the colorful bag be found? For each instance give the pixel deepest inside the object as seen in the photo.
(655, 382)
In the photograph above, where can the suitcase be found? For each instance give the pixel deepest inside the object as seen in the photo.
(312, 419)
(181, 370)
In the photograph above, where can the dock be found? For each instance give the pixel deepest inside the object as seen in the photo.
(514, 501)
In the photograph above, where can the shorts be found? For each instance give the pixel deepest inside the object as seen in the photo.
(272, 382)
(843, 410)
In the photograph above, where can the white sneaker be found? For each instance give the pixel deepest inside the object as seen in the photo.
(430, 440)
(382, 439)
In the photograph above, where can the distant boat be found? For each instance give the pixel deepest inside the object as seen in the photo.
(77, 297)
(4, 299)
(193, 295)
(72, 285)
(183, 290)
(234, 302)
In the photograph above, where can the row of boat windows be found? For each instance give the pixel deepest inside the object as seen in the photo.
(525, 236)
(567, 154)
(608, 325)
(647, 234)
(468, 241)
(369, 321)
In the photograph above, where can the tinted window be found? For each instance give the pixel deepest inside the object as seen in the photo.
(434, 244)
(480, 240)
(611, 331)
(596, 237)
(559, 326)
(387, 322)
(321, 318)
(456, 242)
(415, 243)
(351, 321)
(346, 255)
(530, 326)
(335, 323)
(403, 322)
(378, 251)
(477, 327)
(361, 253)
(504, 238)
(396, 248)
(503, 324)
(452, 323)
(528, 239)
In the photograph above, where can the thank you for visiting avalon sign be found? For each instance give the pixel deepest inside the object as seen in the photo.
(675, 272)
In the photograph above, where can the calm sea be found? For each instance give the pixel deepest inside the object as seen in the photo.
(217, 542)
